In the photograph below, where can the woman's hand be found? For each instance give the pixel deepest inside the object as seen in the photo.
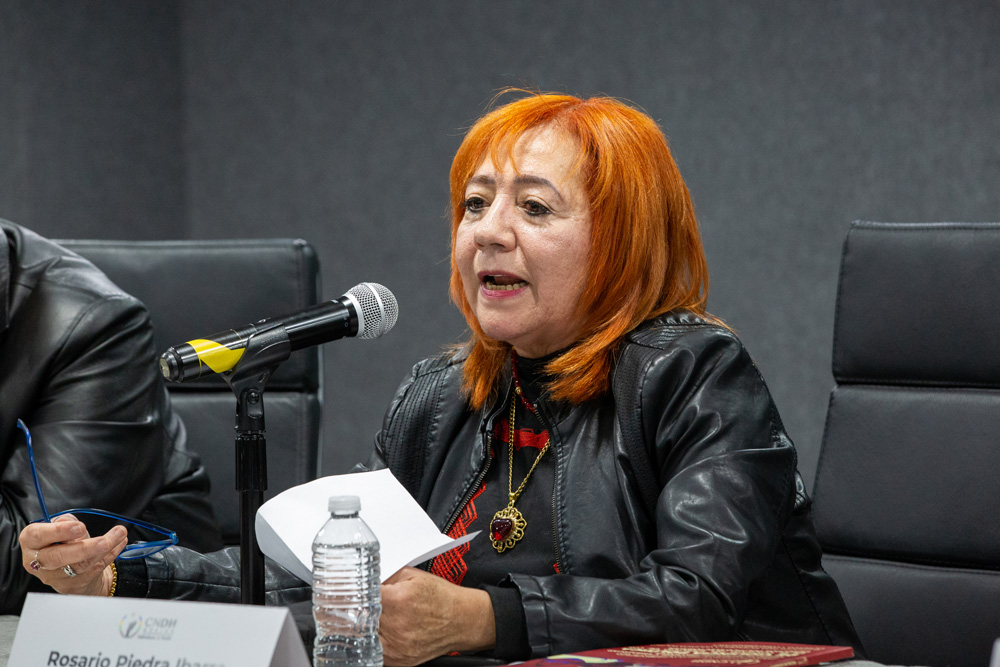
(424, 616)
(46, 548)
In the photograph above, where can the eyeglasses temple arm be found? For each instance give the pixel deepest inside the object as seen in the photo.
(34, 471)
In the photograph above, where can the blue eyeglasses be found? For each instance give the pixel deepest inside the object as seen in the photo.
(132, 550)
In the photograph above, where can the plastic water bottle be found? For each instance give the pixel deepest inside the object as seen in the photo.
(347, 601)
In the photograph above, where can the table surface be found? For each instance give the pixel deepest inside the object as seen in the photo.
(8, 626)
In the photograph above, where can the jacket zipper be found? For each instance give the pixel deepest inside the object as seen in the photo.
(488, 434)
(472, 489)
(465, 500)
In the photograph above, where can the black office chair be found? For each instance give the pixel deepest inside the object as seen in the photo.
(907, 492)
(197, 288)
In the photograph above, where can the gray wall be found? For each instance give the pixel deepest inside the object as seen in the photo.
(90, 119)
(336, 122)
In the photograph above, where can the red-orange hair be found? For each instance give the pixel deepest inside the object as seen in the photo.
(646, 256)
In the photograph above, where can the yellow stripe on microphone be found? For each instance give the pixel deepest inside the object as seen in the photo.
(217, 357)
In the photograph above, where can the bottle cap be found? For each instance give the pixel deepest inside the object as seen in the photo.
(344, 504)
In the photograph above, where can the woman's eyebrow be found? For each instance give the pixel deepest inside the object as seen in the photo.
(519, 180)
(482, 179)
(529, 179)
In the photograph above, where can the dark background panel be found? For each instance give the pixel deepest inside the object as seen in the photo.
(336, 122)
(92, 109)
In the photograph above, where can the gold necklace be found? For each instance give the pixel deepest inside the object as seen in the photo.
(507, 526)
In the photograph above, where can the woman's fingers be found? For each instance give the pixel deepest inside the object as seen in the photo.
(53, 555)
(424, 616)
(48, 548)
(37, 536)
(95, 554)
(71, 520)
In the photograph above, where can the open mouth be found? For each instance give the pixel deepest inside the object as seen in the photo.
(503, 283)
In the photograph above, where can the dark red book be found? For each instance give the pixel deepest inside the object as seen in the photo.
(717, 654)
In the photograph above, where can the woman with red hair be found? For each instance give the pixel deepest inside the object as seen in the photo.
(592, 366)
(615, 444)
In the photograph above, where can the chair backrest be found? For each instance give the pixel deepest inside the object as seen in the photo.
(907, 505)
(197, 288)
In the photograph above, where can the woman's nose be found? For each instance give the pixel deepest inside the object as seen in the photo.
(495, 228)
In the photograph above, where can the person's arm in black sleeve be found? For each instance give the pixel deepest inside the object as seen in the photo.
(133, 579)
(96, 421)
(511, 626)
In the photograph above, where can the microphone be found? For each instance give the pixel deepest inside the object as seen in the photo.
(367, 310)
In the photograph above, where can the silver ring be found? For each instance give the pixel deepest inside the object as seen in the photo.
(34, 564)
(69, 571)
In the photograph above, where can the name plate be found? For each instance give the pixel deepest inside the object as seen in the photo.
(77, 631)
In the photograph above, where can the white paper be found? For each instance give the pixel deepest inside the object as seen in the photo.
(133, 632)
(287, 524)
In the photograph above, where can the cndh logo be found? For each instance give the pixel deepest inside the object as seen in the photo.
(150, 627)
(130, 626)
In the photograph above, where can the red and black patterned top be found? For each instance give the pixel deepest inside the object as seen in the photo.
(477, 563)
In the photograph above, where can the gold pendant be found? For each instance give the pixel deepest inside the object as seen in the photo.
(507, 528)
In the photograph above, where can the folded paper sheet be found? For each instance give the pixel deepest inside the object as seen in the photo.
(287, 524)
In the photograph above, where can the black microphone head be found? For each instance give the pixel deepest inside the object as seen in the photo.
(377, 309)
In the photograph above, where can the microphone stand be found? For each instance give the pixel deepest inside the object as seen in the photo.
(264, 351)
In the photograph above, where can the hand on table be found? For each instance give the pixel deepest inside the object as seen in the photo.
(47, 548)
(425, 616)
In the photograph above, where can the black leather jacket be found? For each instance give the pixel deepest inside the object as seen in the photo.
(729, 554)
(77, 364)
